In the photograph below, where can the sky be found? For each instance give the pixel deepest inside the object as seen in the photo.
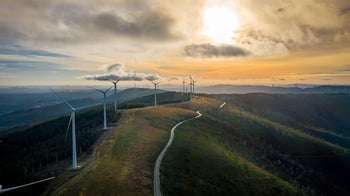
(87, 42)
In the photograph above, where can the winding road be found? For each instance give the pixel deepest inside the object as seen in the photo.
(222, 105)
(156, 180)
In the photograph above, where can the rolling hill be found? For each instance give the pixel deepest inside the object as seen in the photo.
(256, 144)
(30, 108)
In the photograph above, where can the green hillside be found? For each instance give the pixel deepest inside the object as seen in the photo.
(41, 151)
(125, 162)
(310, 163)
(257, 144)
(322, 115)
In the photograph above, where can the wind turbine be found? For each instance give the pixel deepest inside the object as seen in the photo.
(191, 84)
(155, 92)
(71, 121)
(115, 82)
(183, 86)
(104, 106)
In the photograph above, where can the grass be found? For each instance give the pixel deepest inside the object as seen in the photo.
(202, 162)
(313, 164)
(232, 150)
(126, 158)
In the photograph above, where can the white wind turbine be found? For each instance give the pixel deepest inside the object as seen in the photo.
(115, 82)
(190, 91)
(155, 91)
(72, 121)
(193, 82)
(183, 86)
(104, 106)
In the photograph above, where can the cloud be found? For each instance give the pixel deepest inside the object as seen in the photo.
(209, 50)
(117, 67)
(117, 72)
(110, 76)
(28, 66)
(292, 24)
(151, 25)
(75, 22)
(9, 48)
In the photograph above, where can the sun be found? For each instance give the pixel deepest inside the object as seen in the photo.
(220, 23)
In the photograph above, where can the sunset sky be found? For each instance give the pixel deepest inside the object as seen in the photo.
(70, 42)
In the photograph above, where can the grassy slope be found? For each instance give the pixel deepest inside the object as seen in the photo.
(40, 151)
(287, 152)
(228, 151)
(201, 162)
(323, 115)
(126, 158)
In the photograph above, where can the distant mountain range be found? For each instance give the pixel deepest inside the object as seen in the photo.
(20, 109)
(21, 106)
(245, 89)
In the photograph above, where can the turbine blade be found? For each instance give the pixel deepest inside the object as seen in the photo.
(89, 106)
(62, 99)
(70, 121)
(107, 89)
(96, 89)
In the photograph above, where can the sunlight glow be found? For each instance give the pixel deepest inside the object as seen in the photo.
(220, 23)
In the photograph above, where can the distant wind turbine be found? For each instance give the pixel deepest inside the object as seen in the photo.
(183, 86)
(72, 121)
(192, 84)
(155, 91)
(104, 106)
(115, 82)
(193, 91)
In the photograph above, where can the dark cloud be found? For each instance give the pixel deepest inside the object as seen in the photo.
(149, 25)
(152, 77)
(80, 22)
(345, 10)
(8, 48)
(209, 50)
(107, 77)
(280, 9)
(27, 66)
(113, 67)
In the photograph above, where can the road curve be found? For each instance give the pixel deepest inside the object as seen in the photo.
(222, 105)
(156, 180)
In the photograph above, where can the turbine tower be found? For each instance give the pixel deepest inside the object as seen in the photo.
(155, 92)
(104, 106)
(71, 121)
(183, 86)
(115, 82)
(191, 84)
